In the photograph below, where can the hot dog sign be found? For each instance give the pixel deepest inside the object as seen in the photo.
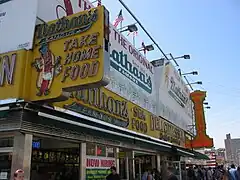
(70, 53)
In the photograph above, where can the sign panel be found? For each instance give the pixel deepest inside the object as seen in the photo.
(201, 139)
(49, 10)
(12, 74)
(174, 101)
(103, 104)
(131, 74)
(99, 167)
(70, 53)
(17, 24)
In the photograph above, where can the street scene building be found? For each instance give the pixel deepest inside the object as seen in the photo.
(79, 98)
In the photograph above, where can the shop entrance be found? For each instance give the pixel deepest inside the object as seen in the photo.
(179, 168)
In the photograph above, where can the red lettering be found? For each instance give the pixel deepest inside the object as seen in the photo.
(93, 163)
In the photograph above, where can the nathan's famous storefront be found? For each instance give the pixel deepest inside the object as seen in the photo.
(59, 122)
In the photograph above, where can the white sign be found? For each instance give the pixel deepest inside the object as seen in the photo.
(3, 175)
(17, 23)
(131, 74)
(174, 102)
(96, 162)
(49, 10)
(175, 85)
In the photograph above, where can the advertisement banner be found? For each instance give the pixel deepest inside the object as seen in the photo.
(103, 104)
(174, 101)
(70, 54)
(17, 23)
(99, 167)
(13, 67)
(131, 74)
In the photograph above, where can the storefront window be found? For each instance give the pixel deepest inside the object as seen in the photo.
(110, 152)
(91, 149)
(101, 150)
(6, 142)
(55, 159)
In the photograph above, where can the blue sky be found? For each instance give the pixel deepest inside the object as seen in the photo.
(208, 30)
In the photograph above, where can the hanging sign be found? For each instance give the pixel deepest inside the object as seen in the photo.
(70, 54)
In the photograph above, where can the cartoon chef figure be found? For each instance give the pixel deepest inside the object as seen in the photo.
(45, 67)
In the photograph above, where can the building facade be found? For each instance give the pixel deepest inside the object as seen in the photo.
(232, 147)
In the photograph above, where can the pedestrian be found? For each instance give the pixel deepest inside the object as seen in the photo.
(238, 173)
(156, 174)
(147, 175)
(232, 173)
(191, 173)
(170, 174)
(19, 174)
(209, 174)
(114, 175)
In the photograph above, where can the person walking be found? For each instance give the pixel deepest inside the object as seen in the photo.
(114, 175)
(232, 173)
(170, 174)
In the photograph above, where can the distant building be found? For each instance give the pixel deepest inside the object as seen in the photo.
(232, 147)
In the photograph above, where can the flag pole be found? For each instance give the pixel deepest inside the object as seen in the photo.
(133, 40)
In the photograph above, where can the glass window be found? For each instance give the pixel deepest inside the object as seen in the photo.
(101, 150)
(6, 142)
(110, 152)
(91, 149)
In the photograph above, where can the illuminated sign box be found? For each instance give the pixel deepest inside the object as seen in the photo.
(70, 53)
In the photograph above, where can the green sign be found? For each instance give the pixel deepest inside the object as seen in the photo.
(97, 173)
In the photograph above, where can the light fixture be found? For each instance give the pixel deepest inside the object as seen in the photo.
(208, 107)
(205, 103)
(190, 73)
(130, 28)
(149, 47)
(198, 82)
(186, 56)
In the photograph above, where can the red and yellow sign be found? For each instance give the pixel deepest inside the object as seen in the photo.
(70, 54)
(201, 139)
(13, 74)
(107, 106)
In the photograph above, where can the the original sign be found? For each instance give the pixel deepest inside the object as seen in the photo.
(99, 167)
(102, 104)
(12, 74)
(132, 75)
(70, 54)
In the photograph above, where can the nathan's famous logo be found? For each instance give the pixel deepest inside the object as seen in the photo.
(66, 26)
(97, 103)
(75, 51)
(120, 62)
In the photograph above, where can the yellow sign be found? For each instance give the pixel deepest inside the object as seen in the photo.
(13, 74)
(107, 106)
(70, 54)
